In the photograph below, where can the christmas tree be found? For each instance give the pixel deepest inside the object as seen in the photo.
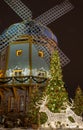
(56, 92)
(78, 101)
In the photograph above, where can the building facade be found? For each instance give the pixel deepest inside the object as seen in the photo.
(24, 63)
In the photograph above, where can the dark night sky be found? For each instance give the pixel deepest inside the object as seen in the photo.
(68, 29)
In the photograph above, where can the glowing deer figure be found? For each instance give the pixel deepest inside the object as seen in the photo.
(62, 117)
(70, 112)
(53, 118)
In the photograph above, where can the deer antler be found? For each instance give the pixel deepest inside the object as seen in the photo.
(68, 104)
(45, 100)
(38, 104)
(71, 103)
(42, 102)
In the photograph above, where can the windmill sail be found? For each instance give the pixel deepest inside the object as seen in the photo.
(22, 10)
(55, 13)
(63, 58)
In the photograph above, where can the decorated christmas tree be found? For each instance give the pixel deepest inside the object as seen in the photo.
(56, 92)
(78, 101)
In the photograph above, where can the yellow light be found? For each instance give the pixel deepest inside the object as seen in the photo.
(17, 72)
(18, 52)
(41, 54)
(1, 73)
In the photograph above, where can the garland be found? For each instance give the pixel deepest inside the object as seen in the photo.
(39, 81)
(4, 82)
(21, 81)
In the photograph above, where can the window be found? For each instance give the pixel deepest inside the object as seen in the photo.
(41, 54)
(41, 73)
(19, 52)
(17, 72)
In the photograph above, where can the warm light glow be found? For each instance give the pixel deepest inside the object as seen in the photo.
(17, 72)
(41, 54)
(19, 52)
(26, 72)
(1, 73)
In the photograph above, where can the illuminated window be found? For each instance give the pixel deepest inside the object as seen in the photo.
(19, 52)
(41, 74)
(17, 72)
(41, 54)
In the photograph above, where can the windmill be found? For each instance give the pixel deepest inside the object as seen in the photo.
(46, 18)
(25, 48)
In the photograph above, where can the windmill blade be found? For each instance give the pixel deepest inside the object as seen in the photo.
(64, 60)
(22, 10)
(55, 13)
(46, 18)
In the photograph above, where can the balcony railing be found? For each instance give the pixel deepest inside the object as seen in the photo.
(23, 80)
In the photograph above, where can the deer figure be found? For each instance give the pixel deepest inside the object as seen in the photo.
(70, 112)
(54, 118)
